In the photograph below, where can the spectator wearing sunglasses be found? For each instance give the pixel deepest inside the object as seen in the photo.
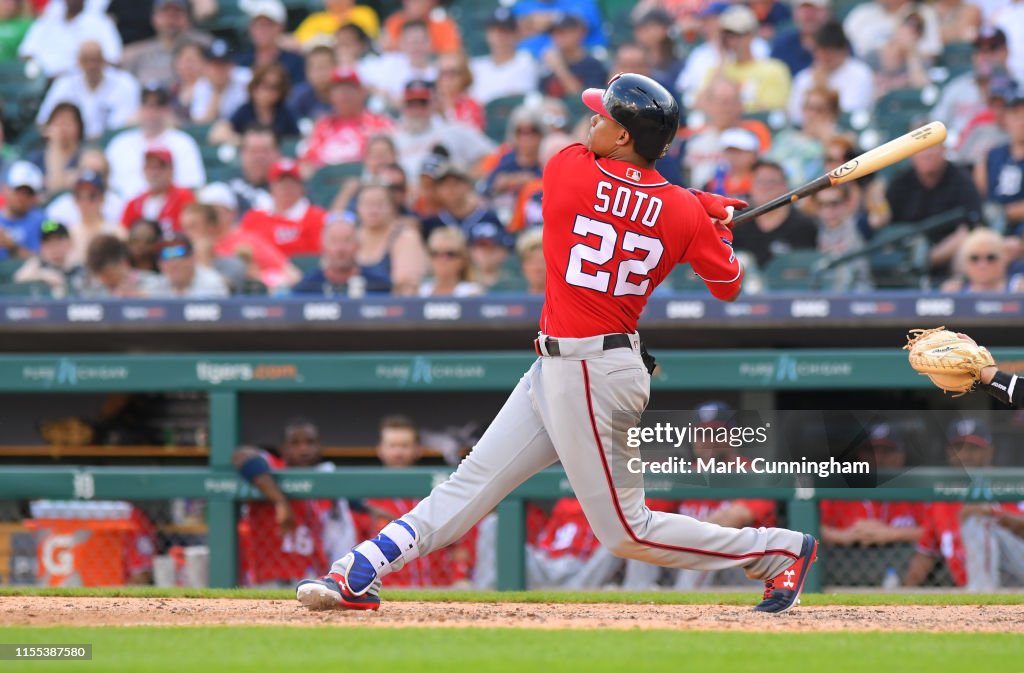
(267, 106)
(839, 235)
(460, 206)
(181, 277)
(449, 265)
(53, 265)
(981, 265)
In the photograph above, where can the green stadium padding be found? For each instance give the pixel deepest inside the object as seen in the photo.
(497, 113)
(792, 270)
(323, 185)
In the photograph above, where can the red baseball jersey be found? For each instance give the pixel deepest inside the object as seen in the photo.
(168, 211)
(567, 532)
(941, 535)
(845, 513)
(612, 232)
(296, 232)
(266, 555)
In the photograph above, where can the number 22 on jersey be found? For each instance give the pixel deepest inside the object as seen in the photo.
(630, 276)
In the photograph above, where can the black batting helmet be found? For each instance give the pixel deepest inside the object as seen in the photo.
(641, 106)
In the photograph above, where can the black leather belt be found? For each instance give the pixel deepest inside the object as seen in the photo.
(610, 341)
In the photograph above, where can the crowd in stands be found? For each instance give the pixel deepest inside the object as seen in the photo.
(189, 148)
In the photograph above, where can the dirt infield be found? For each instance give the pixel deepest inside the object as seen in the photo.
(52, 611)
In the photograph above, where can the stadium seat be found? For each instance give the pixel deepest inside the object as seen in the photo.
(35, 289)
(306, 263)
(792, 270)
(323, 185)
(21, 93)
(897, 110)
(957, 58)
(222, 172)
(683, 279)
(8, 268)
(253, 288)
(901, 264)
(497, 113)
(199, 132)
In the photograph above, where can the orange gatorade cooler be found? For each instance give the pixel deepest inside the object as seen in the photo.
(83, 548)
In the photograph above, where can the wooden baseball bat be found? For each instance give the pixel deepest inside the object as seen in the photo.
(891, 152)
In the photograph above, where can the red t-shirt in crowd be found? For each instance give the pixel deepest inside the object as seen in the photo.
(612, 233)
(342, 141)
(266, 555)
(296, 231)
(164, 209)
(270, 261)
(941, 535)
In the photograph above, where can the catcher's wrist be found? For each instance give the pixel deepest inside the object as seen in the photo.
(1003, 386)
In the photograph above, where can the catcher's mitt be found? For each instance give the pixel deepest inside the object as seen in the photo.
(951, 362)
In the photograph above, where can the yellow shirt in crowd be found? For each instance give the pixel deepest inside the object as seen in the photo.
(328, 23)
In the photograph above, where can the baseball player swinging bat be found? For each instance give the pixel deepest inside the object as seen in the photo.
(873, 160)
(613, 230)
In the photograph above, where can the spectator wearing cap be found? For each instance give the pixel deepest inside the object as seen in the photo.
(14, 25)
(986, 129)
(764, 82)
(705, 59)
(652, 30)
(454, 81)
(54, 40)
(258, 152)
(929, 186)
(964, 96)
(536, 18)
(54, 265)
(162, 201)
(421, 129)
(267, 106)
(801, 151)
(293, 224)
(449, 265)
(126, 151)
(213, 223)
(267, 19)
(723, 109)
(20, 216)
(846, 523)
(89, 210)
(460, 206)
(521, 164)
(340, 137)
(567, 68)
(739, 149)
(181, 277)
(337, 13)
(443, 31)
(777, 232)
(107, 97)
(795, 46)
(338, 274)
(489, 246)
(530, 250)
(527, 213)
(832, 64)
(1010, 19)
(981, 265)
(311, 99)
(504, 70)
(110, 274)
(977, 541)
(222, 87)
(61, 152)
(871, 25)
(152, 60)
(1000, 177)
(391, 254)
(389, 74)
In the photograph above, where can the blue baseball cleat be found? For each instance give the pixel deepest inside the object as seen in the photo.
(782, 592)
(330, 592)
